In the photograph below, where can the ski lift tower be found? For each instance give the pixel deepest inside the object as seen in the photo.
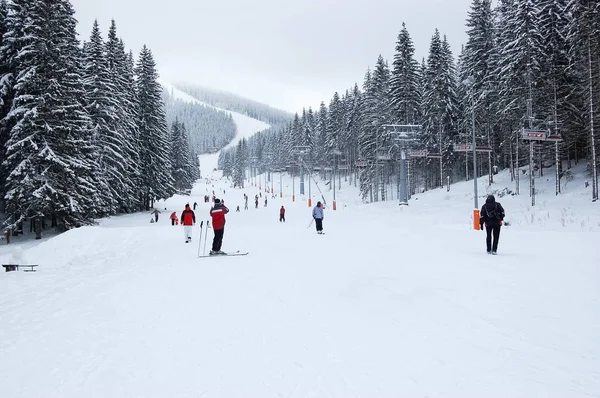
(403, 136)
(300, 151)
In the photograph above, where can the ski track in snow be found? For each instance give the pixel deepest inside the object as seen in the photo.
(391, 302)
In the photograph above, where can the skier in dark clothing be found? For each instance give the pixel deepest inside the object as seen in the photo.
(195, 205)
(491, 215)
(217, 214)
(282, 214)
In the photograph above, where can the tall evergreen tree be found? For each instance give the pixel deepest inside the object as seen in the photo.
(183, 166)
(584, 43)
(105, 111)
(49, 151)
(157, 179)
(404, 92)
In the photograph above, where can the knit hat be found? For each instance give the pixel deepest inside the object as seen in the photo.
(217, 201)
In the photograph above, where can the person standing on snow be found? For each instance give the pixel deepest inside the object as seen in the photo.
(195, 205)
(173, 218)
(318, 217)
(217, 214)
(155, 213)
(188, 219)
(282, 214)
(491, 215)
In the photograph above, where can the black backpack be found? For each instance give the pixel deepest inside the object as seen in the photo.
(492, 214)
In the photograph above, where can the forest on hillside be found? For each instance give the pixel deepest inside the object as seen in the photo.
(232, 102)
(83, 131)
(207, 127)
(528, 67)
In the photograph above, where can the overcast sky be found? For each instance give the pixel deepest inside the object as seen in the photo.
(286, 53)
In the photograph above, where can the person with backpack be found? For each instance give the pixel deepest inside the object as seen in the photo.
(188, 219)
(491, 215)
(318, 216)
(173, 218)
(217, 214)
(282, 214)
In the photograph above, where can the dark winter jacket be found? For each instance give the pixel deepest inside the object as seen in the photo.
(218, 215)
(491, 213)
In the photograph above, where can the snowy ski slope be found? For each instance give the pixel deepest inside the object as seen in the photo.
(391, 302)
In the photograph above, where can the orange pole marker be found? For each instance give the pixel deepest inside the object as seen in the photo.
(309, 202)
(334, 205)
(476, 218)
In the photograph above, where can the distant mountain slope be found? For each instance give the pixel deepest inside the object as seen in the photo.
(207, 126)
(232, 102)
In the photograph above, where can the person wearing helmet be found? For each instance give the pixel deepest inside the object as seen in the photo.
(491, 215)
(318, 217)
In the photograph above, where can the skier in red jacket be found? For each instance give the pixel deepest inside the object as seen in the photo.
(217, 214)
(188, 219)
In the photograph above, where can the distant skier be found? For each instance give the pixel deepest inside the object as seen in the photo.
(282, 214)
(256, 204)
(491, 215)
(265, 200)
(156, 212)
(237, 209)
(246, 204)
(217, 214)
(195, 205)
(318, 216)
(173, 218)
(188, 219)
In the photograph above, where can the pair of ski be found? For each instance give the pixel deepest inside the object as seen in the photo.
(204, 255)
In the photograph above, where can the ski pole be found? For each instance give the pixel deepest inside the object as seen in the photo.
(200, 238)
(311, 221)
(205, 238)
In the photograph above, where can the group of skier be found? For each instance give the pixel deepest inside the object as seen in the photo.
(491, 219)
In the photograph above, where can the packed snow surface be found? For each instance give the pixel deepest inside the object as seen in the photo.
(391, 302)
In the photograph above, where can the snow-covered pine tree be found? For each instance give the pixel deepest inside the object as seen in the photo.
(478, 66)
(584, 41)
(404, 83)
(105, 111)
(367, 139)
(440, 104)
(183, 167)
(154, 152)
(334, 127)
(120, 70)
(6, 82)
(49, 152)
(239, 168)
(320, 136)
(518, 66)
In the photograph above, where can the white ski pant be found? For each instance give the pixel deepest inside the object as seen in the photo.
(187, 230)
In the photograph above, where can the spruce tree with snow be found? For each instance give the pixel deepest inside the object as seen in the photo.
(440, 105)
(320, 136)
(183, 167)
(239, 166)
(110, 138)
(120, 71)
(6, 83)
(49, 151)
(584, 53)
(518, 67)
(157, 179)
(404, 83)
